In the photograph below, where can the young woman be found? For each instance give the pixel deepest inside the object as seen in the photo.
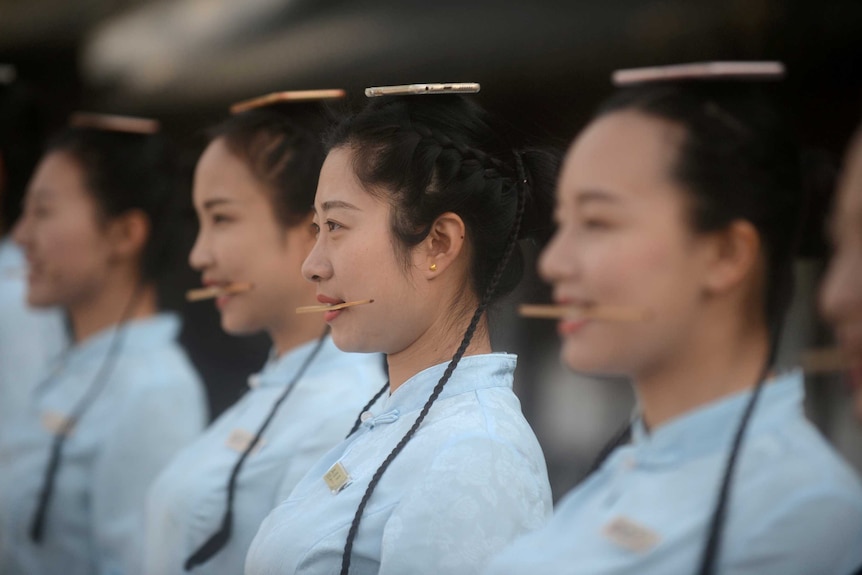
(841, 298)
(679, 200)
(419, 207)
(253, 192)
(29, 338)
(123, 399)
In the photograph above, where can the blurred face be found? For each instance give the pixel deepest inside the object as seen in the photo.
(623, 240)
(841, 298)
(65, 239)
(355, 259)
(241, 240)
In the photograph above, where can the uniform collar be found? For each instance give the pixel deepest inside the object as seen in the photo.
(473, 373)
(279, 371)
(711, 427)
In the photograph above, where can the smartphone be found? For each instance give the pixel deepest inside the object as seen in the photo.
(414, 89)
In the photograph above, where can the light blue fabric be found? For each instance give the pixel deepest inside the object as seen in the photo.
(29, 338)
(795, 507)
(152, 406)
(188, 500)
(472, 479)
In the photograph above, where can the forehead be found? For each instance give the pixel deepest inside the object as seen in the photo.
(221, 173)
(850, 187)
(627, 152)
(338, 182)
(58, 176)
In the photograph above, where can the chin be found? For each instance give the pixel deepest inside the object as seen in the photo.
(233, 325)
(40, 298)
(351, 342)
(589, 361)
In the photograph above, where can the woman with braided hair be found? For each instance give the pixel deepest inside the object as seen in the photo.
(420, 206)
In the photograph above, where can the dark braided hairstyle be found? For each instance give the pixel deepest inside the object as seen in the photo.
(737, 161)
(429, 155)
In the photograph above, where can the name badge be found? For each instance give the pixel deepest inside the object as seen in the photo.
(240, 439)
(336, 478)
(57, 423)
(631, 535)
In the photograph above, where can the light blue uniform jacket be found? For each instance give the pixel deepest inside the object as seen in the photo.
(795, 507)
(471, 480)
(188, 500)
(29, 338)
(152, 406)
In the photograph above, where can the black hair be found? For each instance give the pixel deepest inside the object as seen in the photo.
(20, 147)
(428, 155)
(282, 146)
(737, 161)
(130, 171)
(443, 153)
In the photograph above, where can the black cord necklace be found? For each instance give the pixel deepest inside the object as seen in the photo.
(100, 381)
(220, 538)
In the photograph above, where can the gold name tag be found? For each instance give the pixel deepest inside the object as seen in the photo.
(631, 535)
(240, 439)
(337, 478)
(57, 423)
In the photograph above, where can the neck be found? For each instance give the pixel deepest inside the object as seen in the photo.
(292, 329)
(435, 346)
(108, 308)
(714, 365)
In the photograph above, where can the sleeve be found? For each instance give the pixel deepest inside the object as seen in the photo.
(475, 498)
(150, 428)
(815, 532)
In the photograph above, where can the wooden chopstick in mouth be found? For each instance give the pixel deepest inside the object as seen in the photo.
(605, 313)
(825, 360)
(210, 292)
(329, 307)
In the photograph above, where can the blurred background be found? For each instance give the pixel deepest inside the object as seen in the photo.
(544, 65)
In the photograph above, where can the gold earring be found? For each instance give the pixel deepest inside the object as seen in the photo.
(433, 267)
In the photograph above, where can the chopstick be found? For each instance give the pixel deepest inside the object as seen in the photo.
(210, 292)
(824, 360)
(327, 307)
(606, 313)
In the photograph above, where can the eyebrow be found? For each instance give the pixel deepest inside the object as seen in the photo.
(215, 202)
(334, 204)
(594, 195)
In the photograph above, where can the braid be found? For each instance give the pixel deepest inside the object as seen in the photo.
(467, 152)
(447, 374)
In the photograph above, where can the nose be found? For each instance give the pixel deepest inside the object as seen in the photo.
(200, 257)
(555, 261)
(841, 293)
(317, 266)
(21, 232)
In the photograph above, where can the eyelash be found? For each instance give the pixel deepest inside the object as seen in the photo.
(330, 225)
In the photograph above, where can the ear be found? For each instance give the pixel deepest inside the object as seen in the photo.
(128, 234)
(735, 255)
(443, 246)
